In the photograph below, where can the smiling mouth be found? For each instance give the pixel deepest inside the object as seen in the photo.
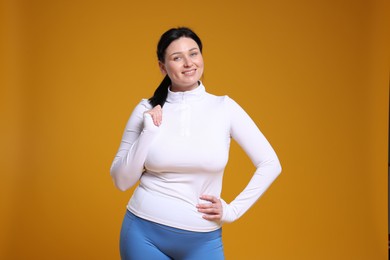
(189, 72)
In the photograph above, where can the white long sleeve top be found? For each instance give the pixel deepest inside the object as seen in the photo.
(185, 157)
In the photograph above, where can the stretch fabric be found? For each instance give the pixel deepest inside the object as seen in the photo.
(144, 239)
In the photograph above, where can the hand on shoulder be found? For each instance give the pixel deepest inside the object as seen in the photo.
(156, 114)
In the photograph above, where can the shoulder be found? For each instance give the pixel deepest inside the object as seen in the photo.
(225, 100)
(144, 103)
(232, 106)
(226, 103)
(217, 99)
(141, 107)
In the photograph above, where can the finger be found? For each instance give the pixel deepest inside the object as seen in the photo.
(209, 208)
(156, 114)
(159, 119)
(209, 198)
(212, 217)
(156, 119)
(210, 212)
(205, 206)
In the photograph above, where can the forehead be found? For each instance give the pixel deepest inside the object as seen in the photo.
(182, 44)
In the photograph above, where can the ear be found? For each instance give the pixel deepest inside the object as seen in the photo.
(162, 68)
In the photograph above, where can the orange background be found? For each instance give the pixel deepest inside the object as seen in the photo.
(314, 75)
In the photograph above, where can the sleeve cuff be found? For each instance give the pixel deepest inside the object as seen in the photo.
(228, 215)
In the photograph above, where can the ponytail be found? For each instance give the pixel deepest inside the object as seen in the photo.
(160, 94)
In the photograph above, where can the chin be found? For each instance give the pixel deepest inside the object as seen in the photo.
(189, 84)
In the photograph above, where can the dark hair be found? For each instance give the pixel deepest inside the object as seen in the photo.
(160, 94)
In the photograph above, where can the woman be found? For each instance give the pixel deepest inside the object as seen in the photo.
(177, 144)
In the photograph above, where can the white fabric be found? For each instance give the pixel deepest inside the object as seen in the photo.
(186, 156)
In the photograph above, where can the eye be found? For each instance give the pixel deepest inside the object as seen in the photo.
(194, 53)
(176, 58)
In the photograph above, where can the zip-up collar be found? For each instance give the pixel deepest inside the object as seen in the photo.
(190, 95)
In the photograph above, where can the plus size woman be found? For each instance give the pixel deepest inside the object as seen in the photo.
(176, 144)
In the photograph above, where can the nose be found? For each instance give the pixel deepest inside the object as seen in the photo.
(187, 62)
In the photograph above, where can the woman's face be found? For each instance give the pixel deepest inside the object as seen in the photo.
(183, 63)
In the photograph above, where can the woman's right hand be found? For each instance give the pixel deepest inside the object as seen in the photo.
(156, 114)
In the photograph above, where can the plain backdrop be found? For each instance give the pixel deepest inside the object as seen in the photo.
(313, 75)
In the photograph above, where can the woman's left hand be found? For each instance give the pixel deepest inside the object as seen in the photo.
(213, 210)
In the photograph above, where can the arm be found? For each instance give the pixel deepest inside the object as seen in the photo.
(128, 164)
(245, 132)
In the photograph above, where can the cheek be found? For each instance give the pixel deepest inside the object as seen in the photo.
(200, 62)
(172, 69)
(201, 66)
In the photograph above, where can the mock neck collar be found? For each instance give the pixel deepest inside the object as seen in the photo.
(190, 95)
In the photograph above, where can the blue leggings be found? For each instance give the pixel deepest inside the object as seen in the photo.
(141, 239)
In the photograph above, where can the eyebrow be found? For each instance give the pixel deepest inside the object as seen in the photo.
(195, 48)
